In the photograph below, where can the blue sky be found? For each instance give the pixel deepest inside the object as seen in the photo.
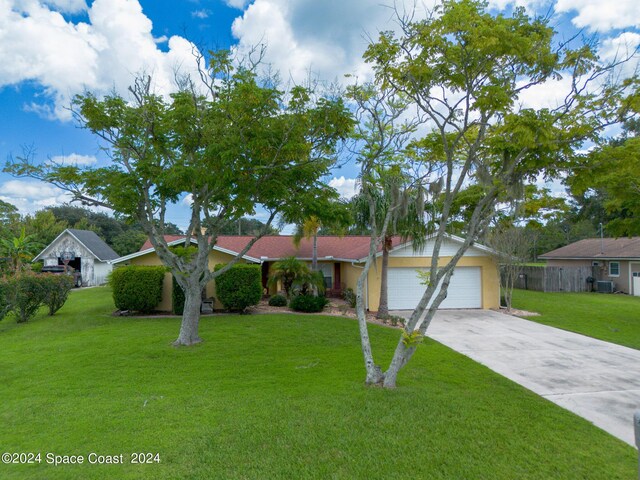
(51, 50)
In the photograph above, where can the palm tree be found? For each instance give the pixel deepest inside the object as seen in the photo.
(309, 229)
(19, 249)
(287, 270)
(407, 221)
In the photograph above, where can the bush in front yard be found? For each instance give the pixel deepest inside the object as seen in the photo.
(278, 301)
(137, 288)
(24, 294)
(308, 303)
(56, 290)
(239, 287)
(350, 296)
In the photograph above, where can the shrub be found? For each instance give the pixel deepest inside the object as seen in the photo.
(4, 298)
(25, 294)
(308, 303)
(239, 287)
(394, 320)
(137, 288)
(278, 301)
(350, 296)
(177, 297)
(56, 290)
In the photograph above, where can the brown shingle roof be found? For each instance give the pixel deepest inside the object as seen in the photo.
(281, 246)
(596, 248)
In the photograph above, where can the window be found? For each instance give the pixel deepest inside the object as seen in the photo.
(614, 269)
(327, 273)
(595, 264)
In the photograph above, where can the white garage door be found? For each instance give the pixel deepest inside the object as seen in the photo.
(405, 289)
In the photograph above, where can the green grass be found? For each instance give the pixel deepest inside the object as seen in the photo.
(273, 397)
(614, 318)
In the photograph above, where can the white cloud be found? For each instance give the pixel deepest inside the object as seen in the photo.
(529, 5)
(38, 44)
(74, 159)
(30, 196)
(187, 200)
(239, 4)
(619, 47)
(550, 94)
(202, 14)
(602, 15)
(68, 6)
(324, 38)
(346, 187)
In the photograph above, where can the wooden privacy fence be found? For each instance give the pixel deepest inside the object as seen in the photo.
(555, 279)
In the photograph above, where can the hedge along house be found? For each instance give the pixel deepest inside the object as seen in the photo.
(475, 282)
(84, 251)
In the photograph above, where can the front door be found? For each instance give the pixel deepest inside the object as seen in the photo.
(636, 283)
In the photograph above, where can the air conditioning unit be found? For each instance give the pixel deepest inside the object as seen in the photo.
(605, 287)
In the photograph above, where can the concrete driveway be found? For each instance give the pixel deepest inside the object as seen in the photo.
(597, 380)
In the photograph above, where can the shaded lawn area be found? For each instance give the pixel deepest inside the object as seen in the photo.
(273, 396)
(609, 317)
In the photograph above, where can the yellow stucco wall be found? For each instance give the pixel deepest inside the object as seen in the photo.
(349, 276)
(489, 277)
(215, 257)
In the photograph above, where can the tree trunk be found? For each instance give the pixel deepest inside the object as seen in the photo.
(314, 259)
(383, 308)
(374, 372)
(190, 317)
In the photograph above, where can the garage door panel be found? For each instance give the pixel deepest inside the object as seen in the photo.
(405, 289)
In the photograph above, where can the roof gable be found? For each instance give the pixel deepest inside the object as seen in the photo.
(90, 240)
(448, 248)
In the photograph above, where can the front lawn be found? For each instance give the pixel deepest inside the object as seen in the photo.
(273, 397)
(610, 317)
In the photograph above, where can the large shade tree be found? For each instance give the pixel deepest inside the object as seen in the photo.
(229, 140)
(465, 70)
(609, 175)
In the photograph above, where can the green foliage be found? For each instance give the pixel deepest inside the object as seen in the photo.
(424, 276)
(309, 282)
(56, 290)
(350, 296)
(19, 249)
(5, 306)
(393, 320)
(25, 293)
(137, 288)
(44, 226)
(128, 242)
(287, 270)
(412, 339)
(308, 303)
(278, 301)
(177, 297)
(246, 226)
(36, 267)
(239, 287)
(608, 175)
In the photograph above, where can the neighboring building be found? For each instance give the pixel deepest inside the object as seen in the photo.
(613, 259)
(474, 284)
(90, 255)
